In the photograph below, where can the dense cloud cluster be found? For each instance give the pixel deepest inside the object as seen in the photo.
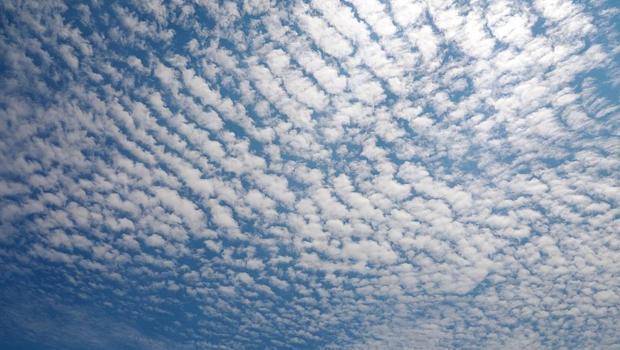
(310, 174)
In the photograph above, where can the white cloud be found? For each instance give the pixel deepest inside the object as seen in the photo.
(331, 174)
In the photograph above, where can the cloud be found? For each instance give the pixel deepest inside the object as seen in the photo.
(322, 174)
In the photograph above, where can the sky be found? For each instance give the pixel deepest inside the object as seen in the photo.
(317, 174)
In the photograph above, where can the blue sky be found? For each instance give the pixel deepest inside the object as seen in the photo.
(325, 174)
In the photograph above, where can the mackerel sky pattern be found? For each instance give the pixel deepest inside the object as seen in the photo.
(319, 174)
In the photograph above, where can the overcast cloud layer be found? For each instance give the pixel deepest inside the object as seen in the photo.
(329, 174)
